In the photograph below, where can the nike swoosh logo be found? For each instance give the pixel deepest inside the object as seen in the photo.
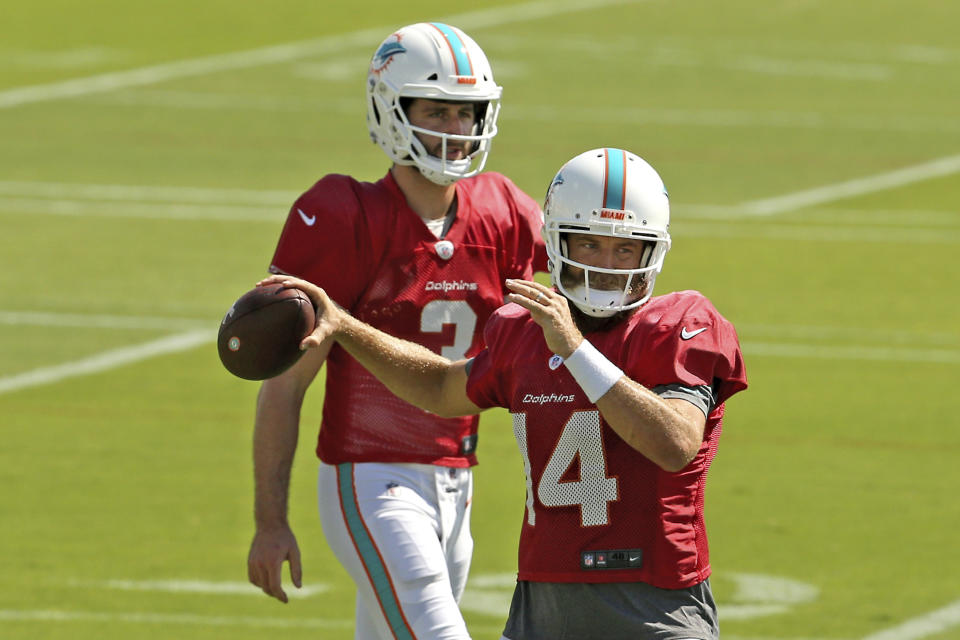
(307, 220)
(686, 335)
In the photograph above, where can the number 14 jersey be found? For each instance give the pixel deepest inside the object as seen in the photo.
(597, 509)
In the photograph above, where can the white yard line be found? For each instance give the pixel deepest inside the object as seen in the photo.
(245, 204)
(923, 626)
(860, 186)
(148, 210)
(821, 232)
(873, 354)
(195, 620)
(186, 341)
(140, 193)
(201, 586)
(96, 321)
(55, 615)
(633, 116)
(106, 360)
(366, 38)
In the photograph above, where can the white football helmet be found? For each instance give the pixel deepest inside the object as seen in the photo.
(439, 62)
(606, 192)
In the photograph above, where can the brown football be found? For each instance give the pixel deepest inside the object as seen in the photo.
(261, 333)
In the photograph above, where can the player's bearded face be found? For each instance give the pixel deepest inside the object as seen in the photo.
(607, 253)
(604, 252)
(451, 118)
(572, 276)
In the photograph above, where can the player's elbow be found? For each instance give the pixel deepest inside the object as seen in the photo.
(676, 459)
(677, 452)
(449, 398)
(447, 412)
(681, 437)
(454, 407)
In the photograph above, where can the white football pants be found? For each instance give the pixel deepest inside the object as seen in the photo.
(402, 531)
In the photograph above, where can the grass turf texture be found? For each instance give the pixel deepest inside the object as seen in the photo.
(836, 469)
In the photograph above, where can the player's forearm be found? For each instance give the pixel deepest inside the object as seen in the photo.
(274, 444)
(411, 371)
(651, 425)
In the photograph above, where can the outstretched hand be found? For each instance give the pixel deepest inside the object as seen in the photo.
(550, 310)
(329, 315)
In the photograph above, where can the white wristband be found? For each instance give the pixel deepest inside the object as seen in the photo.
(592, 371)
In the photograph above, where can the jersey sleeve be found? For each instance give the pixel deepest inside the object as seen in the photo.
(696, 346)
(325, 240)
(488, 379)
(529, 254)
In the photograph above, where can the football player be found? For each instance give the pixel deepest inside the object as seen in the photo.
(617, 399)
(422, 254)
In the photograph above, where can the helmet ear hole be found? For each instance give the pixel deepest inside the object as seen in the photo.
(647, 255)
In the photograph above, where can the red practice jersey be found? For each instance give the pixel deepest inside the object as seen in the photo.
(374, 256)
(597, 509)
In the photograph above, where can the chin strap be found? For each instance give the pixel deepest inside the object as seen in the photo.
(595, 302)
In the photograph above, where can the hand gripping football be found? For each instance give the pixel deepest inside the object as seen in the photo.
(260, 335)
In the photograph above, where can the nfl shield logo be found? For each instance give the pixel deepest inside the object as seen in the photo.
(444, 249)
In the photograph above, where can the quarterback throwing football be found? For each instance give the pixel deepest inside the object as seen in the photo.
(617, 399)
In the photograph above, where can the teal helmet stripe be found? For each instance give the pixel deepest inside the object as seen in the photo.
(457, 48)
(614, 180)
(370, 556)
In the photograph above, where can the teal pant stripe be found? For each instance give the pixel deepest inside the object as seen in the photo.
(369, 555)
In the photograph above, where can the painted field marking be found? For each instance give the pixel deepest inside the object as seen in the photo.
(923, 626)
(96, 321)
(873, 354)
(819, 233)
(194, 336)
(149, 210)
(137, 193)
(279, 53)
(56, 615)
(200, 586)
(827, 215)
(106, 360)
(815, 69)
(938, 168)
(62, 616)
(755, 595)
(718, 118)
(730, 118)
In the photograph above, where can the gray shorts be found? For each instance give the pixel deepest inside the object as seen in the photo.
(611, 611)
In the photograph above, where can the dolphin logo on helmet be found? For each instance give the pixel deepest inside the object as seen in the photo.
(385, 54)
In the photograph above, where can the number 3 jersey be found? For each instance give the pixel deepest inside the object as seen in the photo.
(374, 256)
(597, 509)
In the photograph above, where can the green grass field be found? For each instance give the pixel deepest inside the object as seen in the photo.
(150, 152)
